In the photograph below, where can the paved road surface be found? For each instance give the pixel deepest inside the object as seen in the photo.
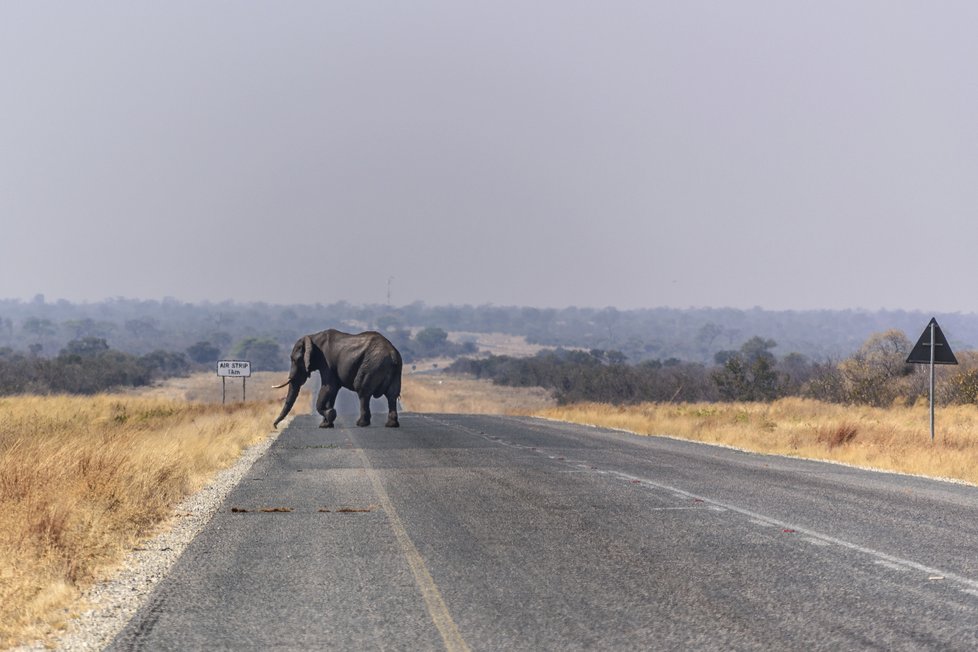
(495, 533)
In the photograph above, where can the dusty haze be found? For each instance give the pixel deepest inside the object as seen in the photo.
(634, 154)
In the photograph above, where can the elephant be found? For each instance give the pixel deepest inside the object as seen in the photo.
(366, 363)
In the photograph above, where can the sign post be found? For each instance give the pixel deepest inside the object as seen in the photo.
(932, 348)
(234, 369)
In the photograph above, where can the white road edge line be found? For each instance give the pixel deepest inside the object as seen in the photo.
(907, 564)
(893, 560)
(739, 449)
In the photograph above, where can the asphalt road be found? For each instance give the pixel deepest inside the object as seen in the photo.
(496, 533)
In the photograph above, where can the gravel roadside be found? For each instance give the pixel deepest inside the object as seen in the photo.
(110, 604)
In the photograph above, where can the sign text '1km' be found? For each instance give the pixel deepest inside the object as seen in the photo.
(234, 369)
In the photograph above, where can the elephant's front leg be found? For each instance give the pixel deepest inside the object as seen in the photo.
(364, 419)
(324, 405)
(392, 421)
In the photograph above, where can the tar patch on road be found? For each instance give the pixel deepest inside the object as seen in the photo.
(267, 510)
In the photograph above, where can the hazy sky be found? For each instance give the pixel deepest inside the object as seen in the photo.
(789, 155)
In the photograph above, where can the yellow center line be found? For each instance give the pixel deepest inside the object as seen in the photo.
(437, 609)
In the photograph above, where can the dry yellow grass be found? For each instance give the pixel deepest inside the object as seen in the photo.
(895, 438)
(205, 387)
(82, 479)
(461, 395)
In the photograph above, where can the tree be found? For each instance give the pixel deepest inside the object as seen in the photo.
(142, 328)
(264, 354)
(960, 383)
(433, 341)
(705, 336)
(431, 338)
(795, 370)
(203, 352)
(86, 347)
(166, 363)
(38, 327)
(877, 373)
(750, 374)
(758, 347)
(615, 357)
(82, 328)
(731, 379)
(826, 384)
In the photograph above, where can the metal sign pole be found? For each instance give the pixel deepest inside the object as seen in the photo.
(932, 349)
(236, 369)
(925, 351)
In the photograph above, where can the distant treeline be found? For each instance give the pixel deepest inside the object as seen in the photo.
(88, 365)
(876, 374)
(207, 331)
(85, 366)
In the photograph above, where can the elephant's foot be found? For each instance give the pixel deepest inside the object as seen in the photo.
(392, 421)
(328, 417)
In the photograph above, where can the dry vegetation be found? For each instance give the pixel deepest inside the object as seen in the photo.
(82, 479)
(896, 438)
(206, 388)
(460, 395)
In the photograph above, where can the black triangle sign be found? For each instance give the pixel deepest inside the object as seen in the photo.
(942, 350)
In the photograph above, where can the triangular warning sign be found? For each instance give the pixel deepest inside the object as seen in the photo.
(942, 350)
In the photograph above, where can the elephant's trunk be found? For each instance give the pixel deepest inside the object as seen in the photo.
(289, 402)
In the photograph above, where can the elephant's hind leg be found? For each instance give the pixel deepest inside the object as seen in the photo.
(364, 419)
(392, 421)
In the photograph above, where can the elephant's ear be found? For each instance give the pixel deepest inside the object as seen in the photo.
(307, 357)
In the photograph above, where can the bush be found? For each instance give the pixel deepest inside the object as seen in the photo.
(166, 364)
(877, 374)
(203, 352)
(748, 374)
(575, 376)
(264, 354)
(433, 342)
(84, 368)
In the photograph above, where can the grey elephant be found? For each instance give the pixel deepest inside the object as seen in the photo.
(366, 363)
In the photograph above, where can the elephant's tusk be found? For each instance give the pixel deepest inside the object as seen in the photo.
(282, 385)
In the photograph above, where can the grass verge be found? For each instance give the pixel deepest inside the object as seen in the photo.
(454, 394)
(895, 438)
(83, 479)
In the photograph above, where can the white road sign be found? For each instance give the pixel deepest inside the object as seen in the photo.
(235, 368)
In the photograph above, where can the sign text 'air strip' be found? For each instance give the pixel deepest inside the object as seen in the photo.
(235, 368)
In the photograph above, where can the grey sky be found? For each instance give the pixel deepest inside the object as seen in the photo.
(634, 154)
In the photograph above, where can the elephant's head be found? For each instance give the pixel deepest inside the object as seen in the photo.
(303, 364)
